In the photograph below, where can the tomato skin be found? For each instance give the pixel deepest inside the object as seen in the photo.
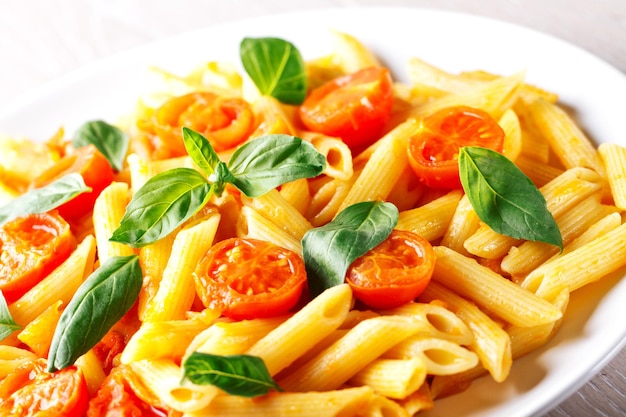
(393, 273)
(30, 391)
(353, 107)
(96, 171)
(117, 398)
(433, 151)
(249, 278)
(226, 122)
(31, 247)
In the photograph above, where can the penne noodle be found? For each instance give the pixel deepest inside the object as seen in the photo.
(283, 345)
(61, 284)
(491, 291)
(586, 264)
(342, 402)
(569, 143)
(164, 378)
(362, 344)
(392, 378)
(176, 293)
(108, 210)
(491, 343)
(432, 219)
(614, 159)
(232, 338)
(151, 341)
(254, 225)
(273, 206)
(384, 167)
(297, 194)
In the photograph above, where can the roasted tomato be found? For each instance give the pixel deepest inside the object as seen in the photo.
(31, 391)
(433, 152)
(96, 171)
(394, 272)
(120, 395)
(30, 248)
(353, 107)
(225, 121)
(248, 278)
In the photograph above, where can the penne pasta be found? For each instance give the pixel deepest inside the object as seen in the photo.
(491, 291)
(283, 345)
(176, 293)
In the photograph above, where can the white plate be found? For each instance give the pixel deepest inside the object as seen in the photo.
(594, 329)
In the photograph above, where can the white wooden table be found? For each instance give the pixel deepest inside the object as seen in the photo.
(42, 39)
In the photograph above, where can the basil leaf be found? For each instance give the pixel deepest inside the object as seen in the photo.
(110, 140)
(242, 375)
(162, 204)
(505, 198)
(100, 302)
(41, 200)
(200, 150)
(276, 68)
(330, 249)
(7, 324)
(272, 160)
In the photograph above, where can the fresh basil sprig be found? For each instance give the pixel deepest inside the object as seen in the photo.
(276, 68)
(41, 200)
(108, 139)
(7, 324)
(505, 198)
(330, 249)
(270, 161)
(100, 302)
(241, 375)
(170, 198)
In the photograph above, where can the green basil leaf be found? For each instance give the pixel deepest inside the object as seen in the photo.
(272, 160)
(276, 68)
(41, 200)
(110, 140)
(100, 302)
(505, 198)
(7, 324)
(200, 150)
(330, 249)
(163, 203)
(242, 375)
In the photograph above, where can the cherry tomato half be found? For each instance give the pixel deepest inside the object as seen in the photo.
(117, 398)
(30, 391)
(433, 152)
(394, 272)
(224, 121)
(30, 248)
(96, 171)
(353, 107)
(249, 278)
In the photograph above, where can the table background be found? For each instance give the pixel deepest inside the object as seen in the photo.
(41, 40)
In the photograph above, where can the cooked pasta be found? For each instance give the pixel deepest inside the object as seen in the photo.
(488, 299)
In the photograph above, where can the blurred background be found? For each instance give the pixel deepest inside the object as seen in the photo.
(43, 39)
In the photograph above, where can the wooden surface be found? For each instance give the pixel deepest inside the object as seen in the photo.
(43, 39)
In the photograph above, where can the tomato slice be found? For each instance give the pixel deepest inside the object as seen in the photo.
(30, 391)
(117, 398)
(394, 272)
(353, 107)
(433, 152)
(30, 248)
(225, 121)
(249, 278)
(96, 171)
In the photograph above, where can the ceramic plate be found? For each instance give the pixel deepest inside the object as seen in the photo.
(593, 330)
